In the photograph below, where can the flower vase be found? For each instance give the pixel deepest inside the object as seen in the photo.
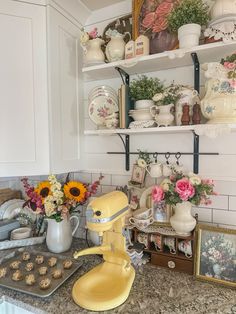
(182, 221)
(59, 234)
(163, 41)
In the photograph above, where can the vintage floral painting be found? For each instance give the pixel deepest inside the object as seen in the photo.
(216, 258)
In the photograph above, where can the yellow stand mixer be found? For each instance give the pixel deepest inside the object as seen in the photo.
(107, 285)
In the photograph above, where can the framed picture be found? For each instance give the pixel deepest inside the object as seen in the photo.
(161, 213)
(150, 19)
(138, 175)
(216, 255)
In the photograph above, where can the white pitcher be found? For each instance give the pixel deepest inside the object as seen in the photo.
(162, 114)
(223, 7)
(59, 234)
(93, 53)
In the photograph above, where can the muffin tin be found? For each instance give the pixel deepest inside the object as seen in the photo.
(35, 290)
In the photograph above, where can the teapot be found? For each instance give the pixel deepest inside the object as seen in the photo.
(223, 7)
(189, 96)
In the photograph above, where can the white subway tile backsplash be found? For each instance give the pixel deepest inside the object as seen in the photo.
(107, 188)
(120, 180)
(218, 202)
(225, 187)
(232, 203)
(204, 214)
(84, 177)
(106, 180)
(224, 217)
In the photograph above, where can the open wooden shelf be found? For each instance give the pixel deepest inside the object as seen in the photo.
(161, 130)
(160, 61)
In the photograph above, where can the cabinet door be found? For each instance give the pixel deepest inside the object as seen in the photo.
(65, 92)
(23, 90)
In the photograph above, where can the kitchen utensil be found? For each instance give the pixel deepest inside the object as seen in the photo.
(95, 290)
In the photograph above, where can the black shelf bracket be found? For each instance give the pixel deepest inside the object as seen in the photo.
(124, 75)
(196, 71)
(195, 153)
(127, 150)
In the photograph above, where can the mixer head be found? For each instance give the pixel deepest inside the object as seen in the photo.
(103, 211)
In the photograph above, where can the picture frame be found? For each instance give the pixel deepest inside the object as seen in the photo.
(138, 175)
(162, 213)
(215, 259)
(150, 19)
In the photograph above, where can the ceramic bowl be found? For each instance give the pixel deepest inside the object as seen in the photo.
(20, 233)
(143, 104)
(141, 115)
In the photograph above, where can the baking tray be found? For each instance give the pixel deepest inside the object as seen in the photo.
(35, 290)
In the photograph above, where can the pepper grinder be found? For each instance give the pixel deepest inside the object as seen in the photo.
(196, 114)
(185, 116)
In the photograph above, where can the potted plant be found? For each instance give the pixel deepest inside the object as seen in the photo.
(219, 102)
(142, 89)
(165, 101)
(182, 191)
(187, 19)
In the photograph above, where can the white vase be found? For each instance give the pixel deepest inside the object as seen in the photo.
(223, 7)
(93, 53)
(163, 115)
(115, 49)
(182, 221)
(59, 234)
(219, 102)
(189, 35)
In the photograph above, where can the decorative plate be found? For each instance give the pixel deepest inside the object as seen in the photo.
(100, 108)
(102, 88)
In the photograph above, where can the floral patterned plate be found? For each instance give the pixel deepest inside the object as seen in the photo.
(101, 107)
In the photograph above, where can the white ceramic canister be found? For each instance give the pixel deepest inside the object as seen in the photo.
(189, 35)
(130, 50)
(142, 46)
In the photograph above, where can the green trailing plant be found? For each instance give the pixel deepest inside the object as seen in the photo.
(187, 12)
(145, 88)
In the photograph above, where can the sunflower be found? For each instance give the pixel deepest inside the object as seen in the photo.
(43, 189)
(75, 191)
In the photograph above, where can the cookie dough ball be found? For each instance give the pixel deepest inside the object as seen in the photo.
(3, 272)
(42, 270)
(45, 283)
(30, 279)
(17, 275)
(67, 264)
(57, 273)
(26, 256)
(39, 259)
(15, 265)
(29, 266)
(52, 261)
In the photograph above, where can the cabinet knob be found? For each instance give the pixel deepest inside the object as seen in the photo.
(171, 264)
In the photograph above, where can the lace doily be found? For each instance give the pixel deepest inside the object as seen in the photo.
(212, 131)
(142, 124)
(222, 28)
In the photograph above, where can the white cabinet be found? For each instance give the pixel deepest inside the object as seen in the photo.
(39, 78)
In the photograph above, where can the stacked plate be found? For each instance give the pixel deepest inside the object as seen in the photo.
(103, 102)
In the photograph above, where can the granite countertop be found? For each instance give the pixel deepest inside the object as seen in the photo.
(155, 290)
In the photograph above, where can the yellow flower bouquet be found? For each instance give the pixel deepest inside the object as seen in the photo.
(55, 200)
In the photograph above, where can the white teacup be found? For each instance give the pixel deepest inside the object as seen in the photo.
(170, 243)
(178, 168)
(143, 213)
(155, 170)
(141, 223)
(166, 170)
(186, 247)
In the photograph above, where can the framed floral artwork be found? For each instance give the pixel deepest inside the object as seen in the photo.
(150, 18)
(216, 255)
(138, 175)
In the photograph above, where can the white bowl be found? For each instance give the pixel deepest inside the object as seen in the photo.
(20, 233)
(141, 115)
(143, 104)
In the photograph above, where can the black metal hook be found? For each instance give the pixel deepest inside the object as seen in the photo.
(155, 157)
(177, 156)
(167, 156)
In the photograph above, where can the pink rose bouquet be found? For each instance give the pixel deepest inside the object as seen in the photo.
(181, 188)
(229, 63)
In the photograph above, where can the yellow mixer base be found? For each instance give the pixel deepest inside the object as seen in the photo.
(104, 287)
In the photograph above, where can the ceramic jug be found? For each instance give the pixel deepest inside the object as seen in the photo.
(59, 234)
(115, 49)
(223, 7)
(93, 53)
(155, 170)
(163, 114)
(188, 96)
